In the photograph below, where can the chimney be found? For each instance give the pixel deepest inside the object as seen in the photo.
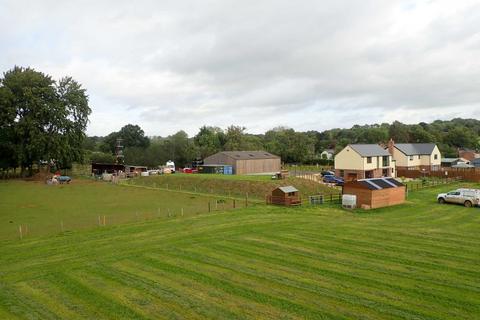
(390, 145)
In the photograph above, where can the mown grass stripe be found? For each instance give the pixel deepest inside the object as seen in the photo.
(278, 251)
(378, 251)
(275, 257)
(342, 301)
(104, 307)
(185, 305)
(289, 284)
(230, 288)
(359, 261)
(21, 306)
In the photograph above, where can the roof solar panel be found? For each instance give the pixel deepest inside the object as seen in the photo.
(373, 184)
(381, 183)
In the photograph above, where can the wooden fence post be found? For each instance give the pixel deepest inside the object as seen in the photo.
(246, 199)
(233, 203)
(20, 231)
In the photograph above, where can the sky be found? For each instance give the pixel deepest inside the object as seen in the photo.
(308, 65)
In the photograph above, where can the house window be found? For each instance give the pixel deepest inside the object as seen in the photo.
(393, 170)
(369, 159)
(411, 158)
(342, 173)
(435, 157)
(385, 161)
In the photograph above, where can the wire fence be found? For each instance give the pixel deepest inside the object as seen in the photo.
(45, 226)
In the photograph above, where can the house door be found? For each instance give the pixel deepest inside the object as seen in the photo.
(385, 172)
(369, 174)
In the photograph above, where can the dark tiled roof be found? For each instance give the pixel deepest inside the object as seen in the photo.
(245, 155)
(369, 150)
(411, 149)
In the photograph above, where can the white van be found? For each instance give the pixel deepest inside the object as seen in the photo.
(466, 197)
(170, 165)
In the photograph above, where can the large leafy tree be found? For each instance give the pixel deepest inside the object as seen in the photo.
(234, 138)
(40, 119)
(209, 140)
(131, 135)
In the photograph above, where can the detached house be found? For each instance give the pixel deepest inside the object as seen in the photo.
(364, 161)
(415, 156)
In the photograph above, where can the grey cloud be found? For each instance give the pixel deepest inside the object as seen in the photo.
(175, 65)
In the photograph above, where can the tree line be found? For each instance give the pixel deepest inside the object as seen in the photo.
(43, 121)
(292, 146)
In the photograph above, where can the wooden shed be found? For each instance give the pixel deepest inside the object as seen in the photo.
(246, 162)
(376, 193)
(285, 196)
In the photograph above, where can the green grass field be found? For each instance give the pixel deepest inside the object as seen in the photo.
(415, 261)
(256, 186)
(42, 209)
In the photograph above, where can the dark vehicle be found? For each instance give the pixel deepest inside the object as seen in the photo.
(327, 173)
(64, 179)
(332, 179)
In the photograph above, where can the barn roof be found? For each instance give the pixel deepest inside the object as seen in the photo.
(249, 155)
(379, 183)
(411, 149)
(369, 150)
(288, 189)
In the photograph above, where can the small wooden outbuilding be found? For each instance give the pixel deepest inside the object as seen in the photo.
(285, 196)
(376, 193)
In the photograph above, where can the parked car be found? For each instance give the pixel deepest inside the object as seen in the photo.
(332, 179)
(153, 172)
(327, 173)
(466, 197)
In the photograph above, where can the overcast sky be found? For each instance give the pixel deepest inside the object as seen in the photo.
(308, 65)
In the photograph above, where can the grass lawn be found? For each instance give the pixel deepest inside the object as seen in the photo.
(254, 177)
(43, 209)
(256, 186)
(415, 261)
